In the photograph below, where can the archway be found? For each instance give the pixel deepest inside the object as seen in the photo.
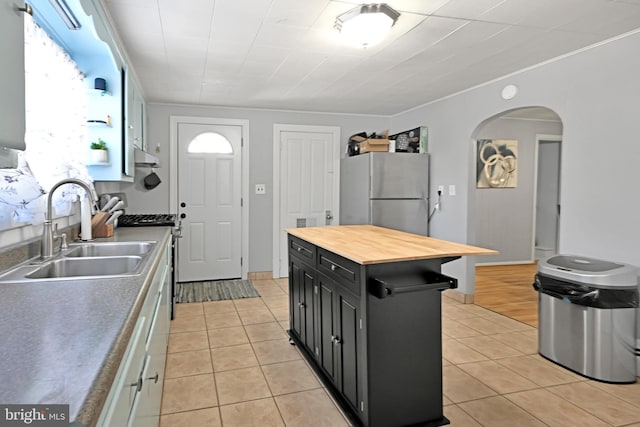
(507, 175)
(516, 205)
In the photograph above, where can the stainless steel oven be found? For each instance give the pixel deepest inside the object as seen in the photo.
(159, 220)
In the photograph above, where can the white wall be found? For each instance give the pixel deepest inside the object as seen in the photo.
(260, 168)
(505, 216)
(596, 93)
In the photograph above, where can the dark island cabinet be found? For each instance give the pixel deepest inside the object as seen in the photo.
(371, 332)
(338, 336)
(302, 282)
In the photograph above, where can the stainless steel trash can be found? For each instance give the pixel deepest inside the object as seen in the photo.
(587, 312)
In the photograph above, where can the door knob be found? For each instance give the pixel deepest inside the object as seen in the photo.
(183, 215)
(328, 216)
(183, 205)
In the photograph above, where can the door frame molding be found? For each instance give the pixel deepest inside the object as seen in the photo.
(277, 129)
(174, 121)
(542, 137)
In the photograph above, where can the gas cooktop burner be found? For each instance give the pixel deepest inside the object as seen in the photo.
(146, 220)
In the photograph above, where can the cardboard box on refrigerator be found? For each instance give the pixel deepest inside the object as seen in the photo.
(375, 144)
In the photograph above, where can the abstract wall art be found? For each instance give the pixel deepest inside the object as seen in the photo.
(497, 163)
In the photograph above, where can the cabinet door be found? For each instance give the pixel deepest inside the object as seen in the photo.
(139, 403)
(126, 386)
(325, 330)
(307, 310)
(301, 286)
(296, 291)
(12, 101)
(346, 344)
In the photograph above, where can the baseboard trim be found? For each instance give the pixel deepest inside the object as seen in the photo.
(459, 296)
(260, 275)
(492, 264)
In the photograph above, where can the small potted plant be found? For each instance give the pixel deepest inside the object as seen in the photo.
(99, 152)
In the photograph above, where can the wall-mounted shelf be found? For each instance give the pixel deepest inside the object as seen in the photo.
(99, 122)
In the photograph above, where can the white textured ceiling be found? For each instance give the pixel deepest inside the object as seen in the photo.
(285, 54)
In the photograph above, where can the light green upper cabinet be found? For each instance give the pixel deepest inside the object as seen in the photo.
(138, 118)
(12, 110)
(122, 88)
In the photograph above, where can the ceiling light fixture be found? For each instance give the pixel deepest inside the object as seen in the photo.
(66, 14)
(367, 24)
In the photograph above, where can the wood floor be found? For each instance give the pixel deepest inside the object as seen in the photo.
(506, 289)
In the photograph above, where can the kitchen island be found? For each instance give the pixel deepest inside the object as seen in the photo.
(365, 311)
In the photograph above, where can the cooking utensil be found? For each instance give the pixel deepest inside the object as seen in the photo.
(110, 204)
(117, 207)
(113, 217)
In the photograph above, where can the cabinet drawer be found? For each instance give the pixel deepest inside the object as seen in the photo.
(340, 269)
(302, 249)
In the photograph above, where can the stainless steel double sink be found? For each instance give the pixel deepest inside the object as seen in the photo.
(85, 261)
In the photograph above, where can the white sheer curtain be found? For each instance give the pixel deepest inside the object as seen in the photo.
(56, 132)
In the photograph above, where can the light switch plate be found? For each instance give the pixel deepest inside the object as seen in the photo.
(452, 190)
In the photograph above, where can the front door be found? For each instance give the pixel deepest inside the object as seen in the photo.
(308, 180)
(209, 201)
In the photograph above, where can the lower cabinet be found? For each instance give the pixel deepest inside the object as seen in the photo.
(337, 332)
(302, 280)
(325, 318)
(136, 394)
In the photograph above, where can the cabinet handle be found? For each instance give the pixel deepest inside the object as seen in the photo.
(302, 305)
(333, 339)
(333, 267)
(137, 384)
(299, 249)
(337, 341)
(155, 379)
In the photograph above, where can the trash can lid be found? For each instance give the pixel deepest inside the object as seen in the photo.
(589, 271)
(583, 263)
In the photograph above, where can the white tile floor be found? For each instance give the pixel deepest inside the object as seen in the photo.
(230, 364)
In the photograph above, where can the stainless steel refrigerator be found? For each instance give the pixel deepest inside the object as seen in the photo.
(386, 189)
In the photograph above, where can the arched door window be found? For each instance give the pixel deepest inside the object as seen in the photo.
(210, 143)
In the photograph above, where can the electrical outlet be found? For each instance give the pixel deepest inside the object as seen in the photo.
(441, 189)
(261, 189)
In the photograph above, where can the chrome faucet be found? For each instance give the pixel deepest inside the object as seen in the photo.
(49, 232)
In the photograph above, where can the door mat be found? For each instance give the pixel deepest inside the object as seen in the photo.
(215, 290)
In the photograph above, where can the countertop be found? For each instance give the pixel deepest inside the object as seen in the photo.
(62, 341)
(369, 244)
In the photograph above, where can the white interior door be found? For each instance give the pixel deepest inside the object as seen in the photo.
(308, 181)
(209, 201)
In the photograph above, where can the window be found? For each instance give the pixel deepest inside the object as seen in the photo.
(56, 108)
(210, 143)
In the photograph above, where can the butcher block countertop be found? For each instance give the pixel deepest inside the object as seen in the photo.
(369, 244)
